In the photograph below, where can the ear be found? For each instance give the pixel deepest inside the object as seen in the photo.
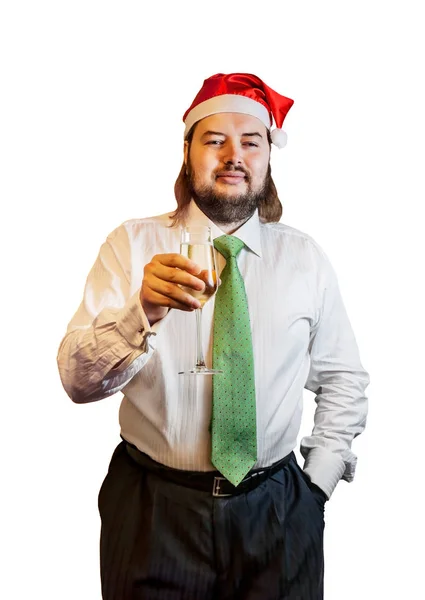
(185, 151)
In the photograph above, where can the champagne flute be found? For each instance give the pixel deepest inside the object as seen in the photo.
(196, 244)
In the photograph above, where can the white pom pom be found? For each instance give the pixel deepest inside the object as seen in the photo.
(279, 138)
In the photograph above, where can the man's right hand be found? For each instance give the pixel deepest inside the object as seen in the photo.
(160, 289)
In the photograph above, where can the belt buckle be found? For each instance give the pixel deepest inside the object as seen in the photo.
(216, 488)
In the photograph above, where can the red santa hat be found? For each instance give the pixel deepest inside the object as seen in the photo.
(241, 93)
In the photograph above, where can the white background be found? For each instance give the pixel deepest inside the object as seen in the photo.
(92, 96)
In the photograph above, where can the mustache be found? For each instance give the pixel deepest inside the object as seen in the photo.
(232, 169)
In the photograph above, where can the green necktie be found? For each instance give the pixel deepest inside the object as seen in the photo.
(233, 426)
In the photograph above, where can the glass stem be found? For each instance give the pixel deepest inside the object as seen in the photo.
(200, 362)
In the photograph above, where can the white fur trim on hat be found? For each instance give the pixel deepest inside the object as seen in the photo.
(227, 103)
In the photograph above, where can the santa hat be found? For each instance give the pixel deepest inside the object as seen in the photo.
(240, 93)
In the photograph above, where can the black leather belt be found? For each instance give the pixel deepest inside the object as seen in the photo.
(207, 481)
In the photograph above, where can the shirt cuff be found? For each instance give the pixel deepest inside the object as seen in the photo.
(324, 468)
(133, 323)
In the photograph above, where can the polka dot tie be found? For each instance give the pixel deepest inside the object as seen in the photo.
(233, 427)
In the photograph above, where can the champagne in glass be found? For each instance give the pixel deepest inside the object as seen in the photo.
(196, 244)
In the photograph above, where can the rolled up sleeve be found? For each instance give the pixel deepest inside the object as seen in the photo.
(339, 381)
(109, 338)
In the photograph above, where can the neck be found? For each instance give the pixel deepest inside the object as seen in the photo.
(225, 226)
(230, 228)
(224, 213)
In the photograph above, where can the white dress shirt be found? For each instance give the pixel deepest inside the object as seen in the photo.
(302, 338)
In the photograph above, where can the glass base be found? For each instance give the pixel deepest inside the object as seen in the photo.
(200, 371)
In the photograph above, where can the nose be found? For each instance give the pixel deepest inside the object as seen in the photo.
(232, 154)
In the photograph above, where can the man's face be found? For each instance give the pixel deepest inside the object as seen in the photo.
(228, 165)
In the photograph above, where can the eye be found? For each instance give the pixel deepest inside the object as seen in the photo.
(250, 144)
(214, 143)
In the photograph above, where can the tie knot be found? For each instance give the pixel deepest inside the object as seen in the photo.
(228, 245)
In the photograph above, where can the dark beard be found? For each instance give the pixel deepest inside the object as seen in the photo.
(223, 210)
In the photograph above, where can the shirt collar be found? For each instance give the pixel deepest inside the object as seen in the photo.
(249, 232)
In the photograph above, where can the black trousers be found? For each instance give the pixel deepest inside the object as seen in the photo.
(163, 541)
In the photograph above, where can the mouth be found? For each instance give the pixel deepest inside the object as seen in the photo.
(231, 177)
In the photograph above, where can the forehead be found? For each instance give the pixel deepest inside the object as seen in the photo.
(231, 124)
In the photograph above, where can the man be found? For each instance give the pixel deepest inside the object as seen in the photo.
(203, 497)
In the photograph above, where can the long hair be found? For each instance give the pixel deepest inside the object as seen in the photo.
(269, 209)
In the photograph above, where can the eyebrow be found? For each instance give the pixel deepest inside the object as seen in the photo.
(250, 134)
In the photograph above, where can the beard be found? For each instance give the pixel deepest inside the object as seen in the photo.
(224, 209)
